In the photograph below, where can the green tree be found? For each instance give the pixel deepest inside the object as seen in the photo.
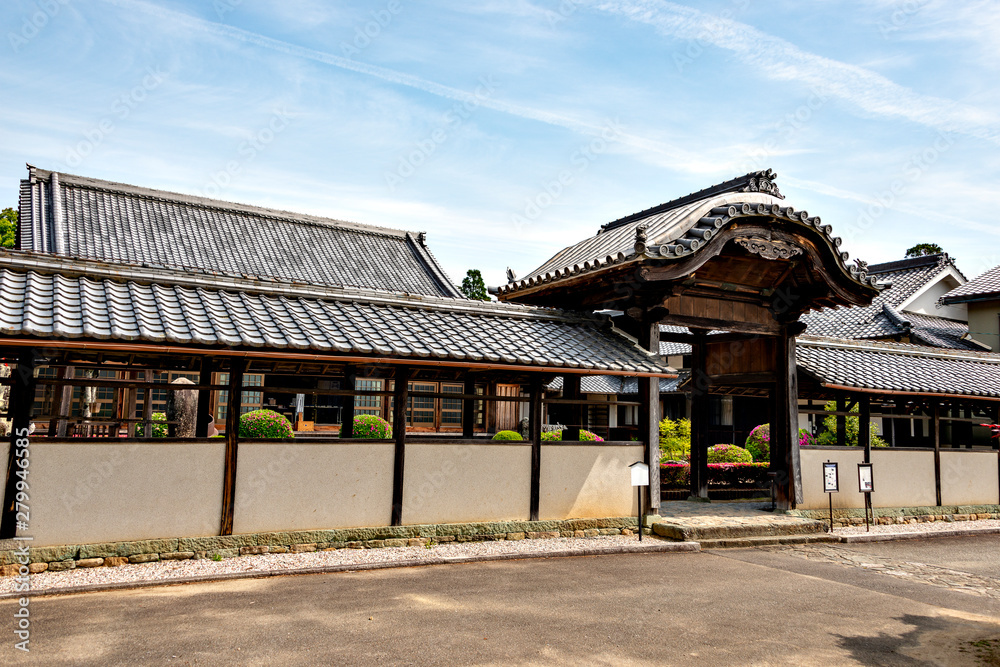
(474, 287)
(8, 227)
(828, 438)
(675, 439)
(922, 249)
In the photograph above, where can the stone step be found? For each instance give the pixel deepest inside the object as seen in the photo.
(737, 530)
(745, 542)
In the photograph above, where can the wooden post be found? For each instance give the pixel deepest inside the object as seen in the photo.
(22, 396)
(469, 408)
(571, 389)
(62, 400)
(841, 420)
(535, 434)
(699, 416)
(936, 427)
(865, 425)
(147, 405)
(237, 366)
(347, 403)
(204, 410)
(400, 395)
(649, 417)
(785, 435)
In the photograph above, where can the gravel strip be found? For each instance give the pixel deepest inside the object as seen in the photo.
(928, 527)
(164, 571)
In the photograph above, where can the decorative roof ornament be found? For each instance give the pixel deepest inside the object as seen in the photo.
(511, 276)
(640, 240)
(762, 181)
(768, 249)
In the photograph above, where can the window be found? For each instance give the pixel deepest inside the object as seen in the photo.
(368, 405)
(451, 408)
(420, 409)
(251, 400)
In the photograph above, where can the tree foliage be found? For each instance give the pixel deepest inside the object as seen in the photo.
(473, 286)
(828, 438)
(675, 439)
(922, 249)
(8, 227)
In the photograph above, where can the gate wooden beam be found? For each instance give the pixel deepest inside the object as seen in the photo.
(236, 368)
(401, 389)
(535, 434)
(22, 395)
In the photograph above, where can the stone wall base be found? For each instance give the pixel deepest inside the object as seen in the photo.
(901, 515)
(111, 554)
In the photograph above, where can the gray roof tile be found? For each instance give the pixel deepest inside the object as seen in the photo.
(112, 222)
(986, 286)
(84, 303)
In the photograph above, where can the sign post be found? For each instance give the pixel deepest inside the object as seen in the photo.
(640, 478)
(831, 484)
(866, 484)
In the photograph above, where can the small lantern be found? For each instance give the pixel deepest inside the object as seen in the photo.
(640, 474)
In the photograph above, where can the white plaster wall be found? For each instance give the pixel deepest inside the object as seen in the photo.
(984, 323)
(106, 493)
(290, 486)
(969, 478)
(812, 459)
(451, 483)
(587, 481)
(902, 478)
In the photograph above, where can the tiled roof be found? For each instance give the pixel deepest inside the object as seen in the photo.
(612, 384)
(882, 319)
(53, 298)
(87, 218)
(668, 348)
(677, 230)
(899, 367)
(986, 286)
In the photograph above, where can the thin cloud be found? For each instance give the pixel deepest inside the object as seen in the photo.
(778, 59)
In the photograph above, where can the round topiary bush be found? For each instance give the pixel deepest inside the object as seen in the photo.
(265, 424)
(759, 443)
(728, 454)
(370, 427)
(159, 420)
(507, 435)
(584, 435)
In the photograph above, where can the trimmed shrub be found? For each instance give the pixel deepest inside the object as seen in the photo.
(370, 427)
(675, 440)
(584, 435)
(265, 424)
(759, 443)
(675, 474)
(507, 435)
(159, 420)
(728, 454)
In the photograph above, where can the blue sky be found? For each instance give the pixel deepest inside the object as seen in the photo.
(510, 129)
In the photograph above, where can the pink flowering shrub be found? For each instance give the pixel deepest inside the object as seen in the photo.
(265, 424)
(370, 427)
(584, 435)
(759, 442)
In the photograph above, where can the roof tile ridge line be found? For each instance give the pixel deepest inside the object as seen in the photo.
(901, 348)
(114, 187)
(58, 244)
(428, 258)
(46, 263)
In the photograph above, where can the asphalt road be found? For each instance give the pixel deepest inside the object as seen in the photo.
(726, 607)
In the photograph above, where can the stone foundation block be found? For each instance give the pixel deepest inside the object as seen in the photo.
(302, 548)
(592, 532)
(177, 555)
(90, 562)
(35, 568)
(414, 542)
(61, 565)
(115, 561)
(10, 570)
(278, 550)
(253, 550)
(141, 558)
